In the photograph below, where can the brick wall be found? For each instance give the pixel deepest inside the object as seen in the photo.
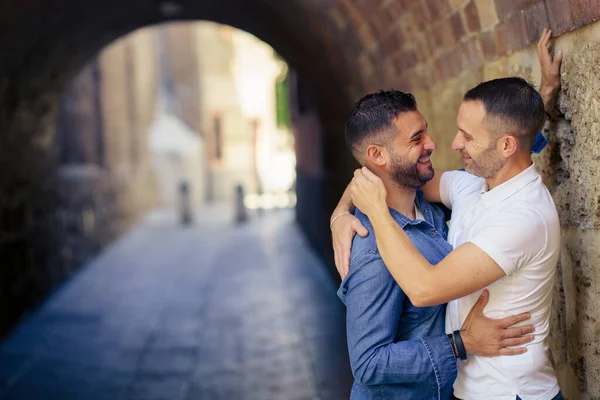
(417, 44)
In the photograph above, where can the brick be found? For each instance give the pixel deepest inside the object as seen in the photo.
(471, 17)
(352, 43)
(487, 13)
(421, 15)
(503, 8)
(584, 12)
(459, 59)
(336, 15)
(506, 7)
(536, 19)
(457, 4)
(403, 83)
(499, 37)
(458, 29)
(367, 7)
(443, 34)
(471, 54)
(423, 77)
(385, 19)
(560, 16)
(422, 49)
(430, 42)
(441, 66)
(367, 37)
(438, 8)
(387, 69)
(488, 46)
(378, 28)
(392, 42)
(454, 63)
(436, 71)
(409, 27)
(405, 61)
(401, 5)
(511, 35)
(352, 14)
(364, 63)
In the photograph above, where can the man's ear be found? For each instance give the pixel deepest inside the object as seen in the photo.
(377, 155)
(510, 145)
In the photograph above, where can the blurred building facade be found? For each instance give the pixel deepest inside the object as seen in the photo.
(225, 82)
(104, 168)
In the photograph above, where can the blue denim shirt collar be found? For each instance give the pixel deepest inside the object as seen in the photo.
(423, 206)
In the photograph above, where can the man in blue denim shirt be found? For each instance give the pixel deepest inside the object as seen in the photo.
(397, 350)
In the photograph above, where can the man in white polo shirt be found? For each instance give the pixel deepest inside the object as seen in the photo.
(505, 232)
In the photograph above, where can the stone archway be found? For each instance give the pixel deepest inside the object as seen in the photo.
(45, 45)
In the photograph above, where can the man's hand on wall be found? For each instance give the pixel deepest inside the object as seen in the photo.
(494, 337)
(550, 66)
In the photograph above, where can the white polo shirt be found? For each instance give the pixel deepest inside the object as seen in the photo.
(517, 225)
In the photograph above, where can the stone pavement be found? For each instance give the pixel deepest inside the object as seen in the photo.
(212, 311)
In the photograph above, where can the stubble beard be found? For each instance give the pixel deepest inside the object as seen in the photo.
(407, 174)
(487, 165)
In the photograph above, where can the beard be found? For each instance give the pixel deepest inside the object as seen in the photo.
(487, 164)
(407, 174)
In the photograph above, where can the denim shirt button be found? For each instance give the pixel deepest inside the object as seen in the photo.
(424, 211)
(432, 233)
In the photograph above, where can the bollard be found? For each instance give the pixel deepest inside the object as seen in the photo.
(185, 206)
(241, 214)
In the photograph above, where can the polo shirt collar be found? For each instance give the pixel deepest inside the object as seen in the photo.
(508, 188)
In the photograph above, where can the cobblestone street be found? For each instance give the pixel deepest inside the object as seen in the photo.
(212, 311)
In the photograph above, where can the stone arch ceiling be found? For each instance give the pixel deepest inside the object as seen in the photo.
(44, 43)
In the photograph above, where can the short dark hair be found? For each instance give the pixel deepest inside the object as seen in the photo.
(513, 104)
(373, 118)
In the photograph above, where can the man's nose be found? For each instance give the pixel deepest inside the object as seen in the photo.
(458, 143)
(429, 144)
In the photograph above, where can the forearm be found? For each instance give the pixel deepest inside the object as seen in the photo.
(345, 204)
(549, 94)
(412, 361)
(408, 267)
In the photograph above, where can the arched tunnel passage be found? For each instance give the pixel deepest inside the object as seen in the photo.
(307, 350)
(48, 43)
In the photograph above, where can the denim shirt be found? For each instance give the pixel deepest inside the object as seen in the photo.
(397, 350)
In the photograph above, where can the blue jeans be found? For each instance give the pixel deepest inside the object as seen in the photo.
(559, 396)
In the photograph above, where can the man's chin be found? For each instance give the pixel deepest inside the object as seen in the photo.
(470, 169)
(425, 171)
(424, 178)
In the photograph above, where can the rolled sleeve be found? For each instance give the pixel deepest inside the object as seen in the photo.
(374, 307)
(443, 361)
